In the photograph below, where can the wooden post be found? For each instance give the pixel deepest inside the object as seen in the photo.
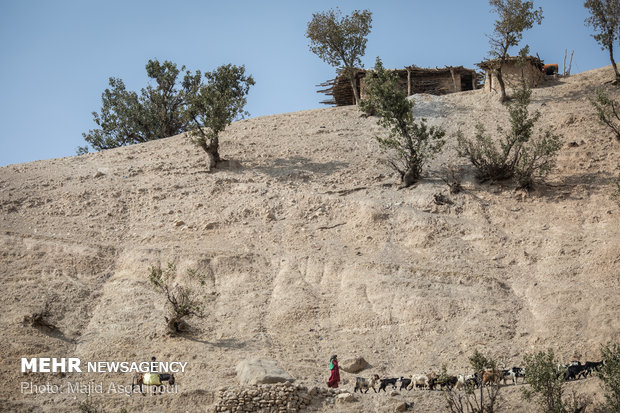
(473, 81)
(453, 79)
(564, 65)
(490, 80)
(408, 82)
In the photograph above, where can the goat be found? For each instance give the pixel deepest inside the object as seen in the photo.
(420, 380)
(492, 377)
(404, 383)
(385, 382)
(513, 373)
(574, 371)
(592, 365)
(448, 382)
(362, 383)
(464, 381)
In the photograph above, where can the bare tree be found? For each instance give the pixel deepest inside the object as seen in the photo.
(340, 41)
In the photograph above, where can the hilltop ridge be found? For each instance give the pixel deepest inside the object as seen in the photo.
(310, 248)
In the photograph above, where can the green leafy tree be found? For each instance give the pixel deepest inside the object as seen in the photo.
(340, 41)
(610, 375)
(216, 104)
(545, 381)
(607, 111)
(181, 299)
(201, 105)
(546, 384)
(514, 17)
(521, 155)
(127, 117)
(410, 144)
(605, 20)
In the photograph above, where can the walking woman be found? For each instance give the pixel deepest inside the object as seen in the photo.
(334, 378)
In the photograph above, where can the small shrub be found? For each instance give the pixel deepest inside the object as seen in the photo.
(615, 195)
(607, 111)
(410, 144)
(610, 375)
(40, 319)
(87, 406)
(520, 155)
(476, 398)
(453, 178)
(182, 302)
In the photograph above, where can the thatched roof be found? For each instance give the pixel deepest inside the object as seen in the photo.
(438, 71)
(491, 63)
(342, 94)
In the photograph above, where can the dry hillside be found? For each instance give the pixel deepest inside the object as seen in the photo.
(309, 248)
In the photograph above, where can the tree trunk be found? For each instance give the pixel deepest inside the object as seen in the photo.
(409, 178)
(502, 86)
(356, 95)
(213, 152)
(613, 62)
(175, 325)
(408, 82)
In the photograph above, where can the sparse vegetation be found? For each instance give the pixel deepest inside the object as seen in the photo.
(514, 17)
(87, 406)
(615, 195)
(182, 301)
(410, 145)
(166, 109)
(40, 318)
(607, 111)
(520, 155)
(477, 398)
(610, 375)
(546, 384)
(453, 178)
(605, 20)
(340, 41)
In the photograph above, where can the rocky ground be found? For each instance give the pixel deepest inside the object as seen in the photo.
(308, 248)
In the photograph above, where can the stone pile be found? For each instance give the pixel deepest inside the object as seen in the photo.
(280, 397)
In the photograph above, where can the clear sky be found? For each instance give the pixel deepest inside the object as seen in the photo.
(56, 56)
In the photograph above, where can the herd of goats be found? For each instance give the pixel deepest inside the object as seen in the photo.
(431, 381)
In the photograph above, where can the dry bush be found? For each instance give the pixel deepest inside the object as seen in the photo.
(40, 319)
(453, 177)
(182, 301)
(476, 397)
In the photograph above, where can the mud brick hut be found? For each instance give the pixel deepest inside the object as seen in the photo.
(413, 79)
(513, 70)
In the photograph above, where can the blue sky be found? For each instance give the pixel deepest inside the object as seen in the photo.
(57, 56)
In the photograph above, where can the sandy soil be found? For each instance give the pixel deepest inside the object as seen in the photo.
(309, 248)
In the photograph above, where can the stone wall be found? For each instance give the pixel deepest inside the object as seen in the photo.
(281, 397)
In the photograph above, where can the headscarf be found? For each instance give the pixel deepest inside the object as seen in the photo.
(331, 362)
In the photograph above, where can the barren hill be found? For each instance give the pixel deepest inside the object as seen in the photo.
(309, 249)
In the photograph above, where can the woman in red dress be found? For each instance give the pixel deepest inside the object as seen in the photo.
(334, 378)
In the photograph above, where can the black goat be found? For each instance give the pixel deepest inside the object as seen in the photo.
(385, 382)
